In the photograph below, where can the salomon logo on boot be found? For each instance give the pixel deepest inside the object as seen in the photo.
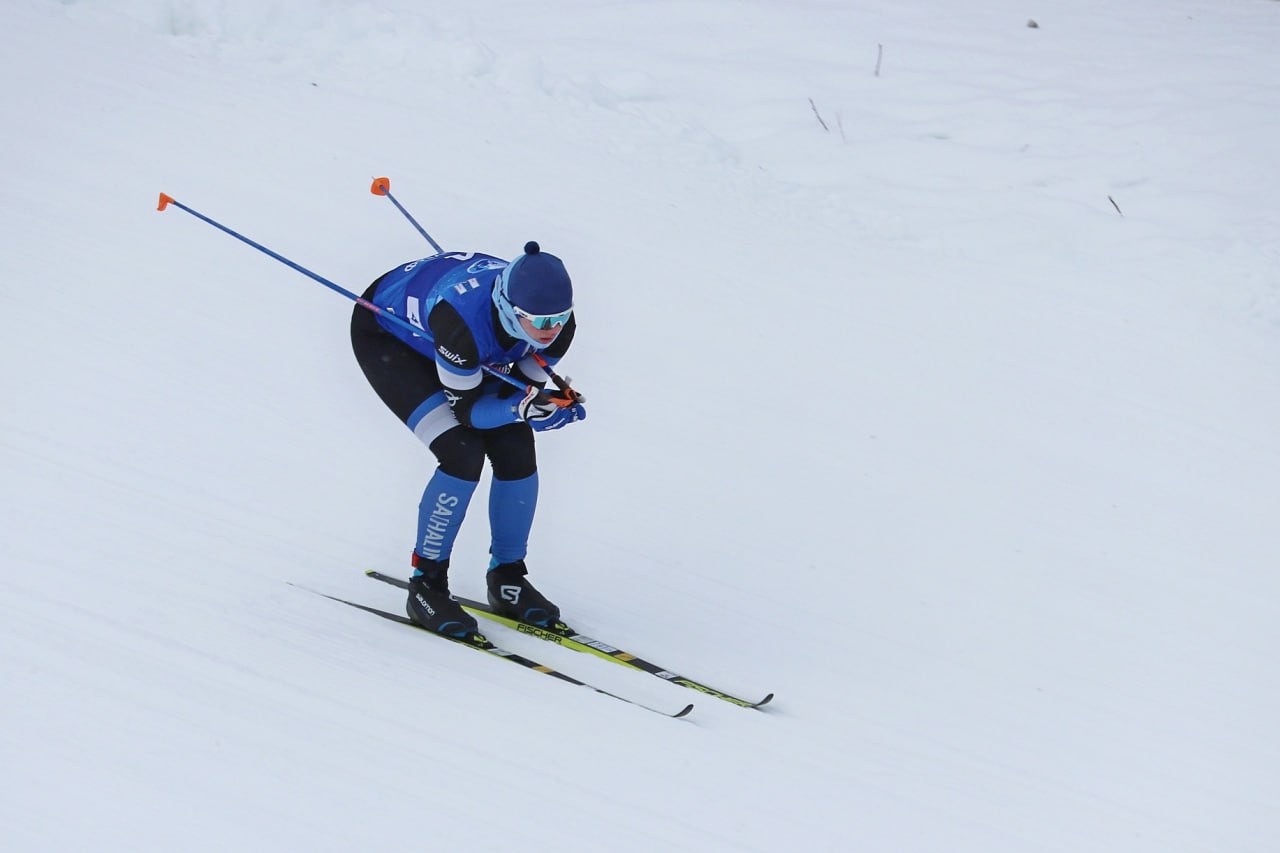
(510, 593)
(431, 606)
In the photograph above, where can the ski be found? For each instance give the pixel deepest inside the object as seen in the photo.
(563, 635)
(480, 643)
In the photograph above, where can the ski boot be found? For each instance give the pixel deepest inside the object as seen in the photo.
(511, 595)
(431, 606)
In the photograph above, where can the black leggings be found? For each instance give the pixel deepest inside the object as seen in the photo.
(403, 378)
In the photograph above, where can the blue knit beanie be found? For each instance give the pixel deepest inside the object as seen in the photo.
(536, 283)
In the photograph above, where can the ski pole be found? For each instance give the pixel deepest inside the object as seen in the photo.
(570, 395)
(382, 186)
(166, 200)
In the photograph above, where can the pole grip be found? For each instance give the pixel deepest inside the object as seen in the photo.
(570, 396)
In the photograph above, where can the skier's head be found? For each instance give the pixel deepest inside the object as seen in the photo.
(534, 297)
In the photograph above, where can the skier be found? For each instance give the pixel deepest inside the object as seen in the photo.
(476, 312)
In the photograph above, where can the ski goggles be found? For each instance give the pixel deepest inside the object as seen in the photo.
(542, 322)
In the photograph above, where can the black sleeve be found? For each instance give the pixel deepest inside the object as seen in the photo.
(454, 341)
(456, 345)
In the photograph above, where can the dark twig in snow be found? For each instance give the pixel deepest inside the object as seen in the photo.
(815, 112)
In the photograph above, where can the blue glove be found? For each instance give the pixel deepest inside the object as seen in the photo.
(560, 417)
(544, 414)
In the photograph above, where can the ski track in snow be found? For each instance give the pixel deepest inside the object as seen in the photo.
(974, 391)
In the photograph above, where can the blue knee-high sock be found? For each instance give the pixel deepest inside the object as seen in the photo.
(444, 505)
(511, 507)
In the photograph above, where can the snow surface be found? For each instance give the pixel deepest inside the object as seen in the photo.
(973, 393)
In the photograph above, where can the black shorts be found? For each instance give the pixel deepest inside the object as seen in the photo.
(401, 376)
(404, 378)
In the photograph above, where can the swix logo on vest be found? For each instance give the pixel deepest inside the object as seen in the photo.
(452, 356)
(510, 592)
(438, 525)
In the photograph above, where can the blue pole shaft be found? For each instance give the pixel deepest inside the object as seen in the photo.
(409, 217)
(261, 248)
(364, 303)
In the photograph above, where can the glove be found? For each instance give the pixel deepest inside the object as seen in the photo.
(560, 417)
(543, 414)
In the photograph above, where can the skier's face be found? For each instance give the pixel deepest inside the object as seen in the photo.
(542, 336)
